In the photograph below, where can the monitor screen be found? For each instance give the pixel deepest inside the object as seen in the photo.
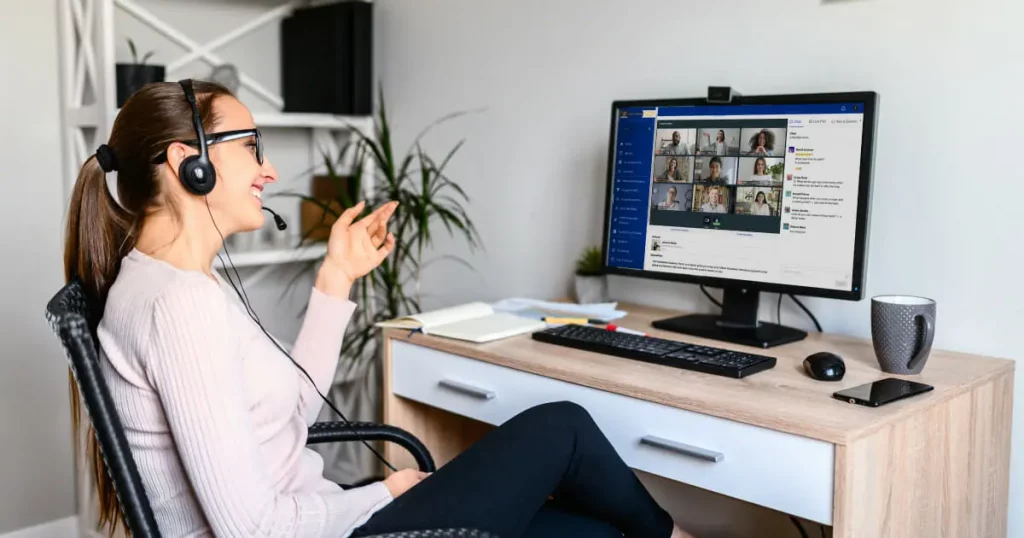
(755, 192)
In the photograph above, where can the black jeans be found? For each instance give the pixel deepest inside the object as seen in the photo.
(548, 472)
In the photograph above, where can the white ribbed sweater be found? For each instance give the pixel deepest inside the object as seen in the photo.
(215, 415)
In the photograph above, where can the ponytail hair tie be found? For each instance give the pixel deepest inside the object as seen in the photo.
(106, 158)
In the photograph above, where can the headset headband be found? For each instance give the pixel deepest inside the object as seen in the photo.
(197, 121)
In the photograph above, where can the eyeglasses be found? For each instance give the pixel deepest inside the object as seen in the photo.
(226, 136)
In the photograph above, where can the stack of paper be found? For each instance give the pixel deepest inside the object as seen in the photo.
(536, 309)
(481, 322)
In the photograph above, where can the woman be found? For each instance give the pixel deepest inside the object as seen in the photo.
(215, 414)
(762, 143)
(719, 147)
(670, 201)
(715, 173)
(672, 173)
(760, 174)
(760, 205)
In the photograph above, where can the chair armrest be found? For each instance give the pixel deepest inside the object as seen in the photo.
(338, 432)
(441, 533)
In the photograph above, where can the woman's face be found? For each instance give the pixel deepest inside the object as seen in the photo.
(759, 167)
(237, 197)
(760, 198)
(671, 194)
(715, 169)
(761, 139)
(721, 136)
(672, 164)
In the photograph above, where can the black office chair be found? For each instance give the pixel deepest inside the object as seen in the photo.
(70, 314)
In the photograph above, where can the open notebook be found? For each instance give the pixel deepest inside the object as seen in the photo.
(474, 322)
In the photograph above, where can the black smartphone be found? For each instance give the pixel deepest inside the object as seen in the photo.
(882, 392)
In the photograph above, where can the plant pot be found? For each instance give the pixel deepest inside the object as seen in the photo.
(591, 289)
(132, 77)
(315, 221)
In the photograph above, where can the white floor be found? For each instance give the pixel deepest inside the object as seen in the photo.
(61, 528)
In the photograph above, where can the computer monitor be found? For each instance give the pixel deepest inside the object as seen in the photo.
(765, 193)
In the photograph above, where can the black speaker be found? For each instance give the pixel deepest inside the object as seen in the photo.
(327, 59)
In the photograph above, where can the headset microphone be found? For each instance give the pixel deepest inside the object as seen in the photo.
(281, 224)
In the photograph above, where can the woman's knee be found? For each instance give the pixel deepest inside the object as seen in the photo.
(563, 412)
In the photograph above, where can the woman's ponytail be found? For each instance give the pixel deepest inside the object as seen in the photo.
(97, 234)
(97, 238)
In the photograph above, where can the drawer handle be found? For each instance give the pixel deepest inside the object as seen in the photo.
(683, 448)
(468, 390)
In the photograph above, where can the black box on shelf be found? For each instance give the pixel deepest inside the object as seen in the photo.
(327, 59)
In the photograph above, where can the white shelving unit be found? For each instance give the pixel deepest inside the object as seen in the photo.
(272, 256)
(89, 108)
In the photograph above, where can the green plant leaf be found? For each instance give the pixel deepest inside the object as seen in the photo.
(133, 50)
(590, 262)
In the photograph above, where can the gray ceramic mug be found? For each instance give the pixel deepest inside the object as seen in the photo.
(902, 331)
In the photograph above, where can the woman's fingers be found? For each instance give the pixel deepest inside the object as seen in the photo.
(347, 216)
(379, 229)
(385, 251)
(380, 215)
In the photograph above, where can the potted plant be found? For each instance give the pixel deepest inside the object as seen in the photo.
(591, 284)
(133, 76)
(430, 202)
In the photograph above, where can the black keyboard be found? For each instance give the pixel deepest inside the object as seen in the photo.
(710, 360)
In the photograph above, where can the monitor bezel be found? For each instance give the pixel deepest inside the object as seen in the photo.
(860, 258)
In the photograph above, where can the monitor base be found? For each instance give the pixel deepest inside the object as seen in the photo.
(763, 335)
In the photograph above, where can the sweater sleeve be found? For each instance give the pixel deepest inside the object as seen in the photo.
(318, 346)
(194, 366)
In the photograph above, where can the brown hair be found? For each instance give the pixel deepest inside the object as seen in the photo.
(101, 231)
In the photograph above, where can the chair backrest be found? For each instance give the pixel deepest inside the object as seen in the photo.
(70, 315)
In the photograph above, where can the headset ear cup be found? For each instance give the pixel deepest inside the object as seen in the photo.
(197, 177)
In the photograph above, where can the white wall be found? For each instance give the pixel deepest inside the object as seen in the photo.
(945, 224)
(36, 477)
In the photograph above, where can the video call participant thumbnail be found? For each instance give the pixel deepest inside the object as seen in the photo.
(715, 170)
(719, 142)
(761, 171)
(672, 169)
(758, 201)
(711, 199)
(671, 197)
(675, 142)
(764, 142)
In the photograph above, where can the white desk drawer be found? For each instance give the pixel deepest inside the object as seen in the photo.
(777, 470)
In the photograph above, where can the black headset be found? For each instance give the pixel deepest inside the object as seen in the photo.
(196, 171)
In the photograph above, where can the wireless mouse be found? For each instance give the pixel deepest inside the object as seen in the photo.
(825, 366)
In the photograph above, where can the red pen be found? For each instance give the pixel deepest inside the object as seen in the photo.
(618, 329)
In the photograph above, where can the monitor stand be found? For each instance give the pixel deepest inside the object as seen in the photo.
(737, 323)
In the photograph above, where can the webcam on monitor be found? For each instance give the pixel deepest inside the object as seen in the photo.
(722, 94)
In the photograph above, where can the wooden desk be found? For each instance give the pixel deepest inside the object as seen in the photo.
(932, 465)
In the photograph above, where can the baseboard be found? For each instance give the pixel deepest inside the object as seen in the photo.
(58, 528)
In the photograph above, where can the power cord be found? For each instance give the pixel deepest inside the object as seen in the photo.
(778, 310)
(242, 296)
(710, 297)
(805, 309)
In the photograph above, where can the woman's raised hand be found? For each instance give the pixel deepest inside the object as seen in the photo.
(356, 247)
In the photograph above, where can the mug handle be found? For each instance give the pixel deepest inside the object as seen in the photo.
(929, 335)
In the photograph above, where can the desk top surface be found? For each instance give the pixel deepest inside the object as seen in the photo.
(783, 398)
